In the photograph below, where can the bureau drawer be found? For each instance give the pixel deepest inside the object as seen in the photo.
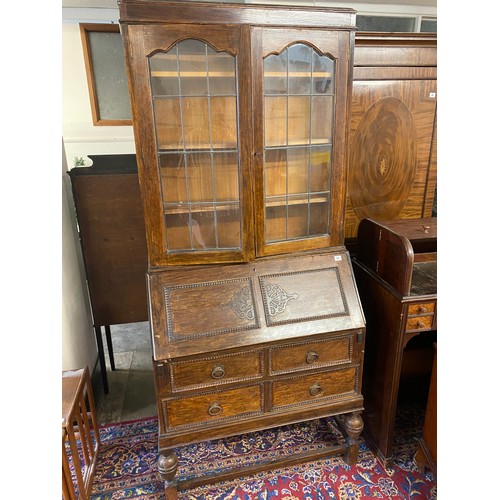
(419, 323)
(212, 406)
(335, 384)
(310, 355)
(424, 308)
(216, 370)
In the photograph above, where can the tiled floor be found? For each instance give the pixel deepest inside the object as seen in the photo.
(131, 385)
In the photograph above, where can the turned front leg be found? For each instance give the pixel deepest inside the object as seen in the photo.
(167, 468)
(353, 424)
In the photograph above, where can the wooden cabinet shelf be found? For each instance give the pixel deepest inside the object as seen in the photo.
(191, 74)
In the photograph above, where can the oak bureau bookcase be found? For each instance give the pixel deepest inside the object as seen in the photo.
(240, 118)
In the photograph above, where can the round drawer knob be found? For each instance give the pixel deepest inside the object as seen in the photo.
(214, 409)
(420, 324)
(218, 372)
(422, 309)
(312, 357)
(315, 389)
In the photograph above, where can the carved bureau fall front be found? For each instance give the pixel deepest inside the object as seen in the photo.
(240, 118)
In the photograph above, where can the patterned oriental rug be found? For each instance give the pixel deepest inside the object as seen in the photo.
(127, 465)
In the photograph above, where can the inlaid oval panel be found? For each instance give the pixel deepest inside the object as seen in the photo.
(383, 160)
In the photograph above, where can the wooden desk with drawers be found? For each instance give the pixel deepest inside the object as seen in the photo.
(396, 274)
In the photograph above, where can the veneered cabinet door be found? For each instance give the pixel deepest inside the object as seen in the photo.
(188, 85)
(300, 95)
(392, 162)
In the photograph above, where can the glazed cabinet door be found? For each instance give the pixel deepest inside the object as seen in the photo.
(301, 104)
(188, 85)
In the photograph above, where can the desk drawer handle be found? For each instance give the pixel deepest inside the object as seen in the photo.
(214, 409)
(315, 390)
(420, 324)
(312, 357)
(218, 372)
(422, 309)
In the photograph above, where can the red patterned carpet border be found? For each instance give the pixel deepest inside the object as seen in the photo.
(127, 465)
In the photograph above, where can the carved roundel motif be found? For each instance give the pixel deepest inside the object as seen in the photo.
(383, 160)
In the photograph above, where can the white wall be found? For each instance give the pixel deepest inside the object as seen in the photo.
(79, 347)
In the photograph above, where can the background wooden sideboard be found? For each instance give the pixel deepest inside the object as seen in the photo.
(112, 236)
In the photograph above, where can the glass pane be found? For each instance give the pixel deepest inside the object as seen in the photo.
(222, 73)
(276, 221)
(173, 178)
(193, 67)
(168, 123)
(298, 217)
(178, 232)
(223, 122)
(109, 75)
(200, 182)
(322, 123)
(275, 172)
(197, 134)
(428, 26)
(298, 143)
(299, 120)
(298, 171)
(228, 227)
(275, 121)
(226, 177)
(299, 69)
(203, 226)
(196, 126)
(318, 218)
(275, 72)
(322, 74)
(385, 23)
(164, 74)
(319, 180)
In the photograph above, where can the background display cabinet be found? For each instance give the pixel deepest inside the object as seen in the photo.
(392, 158)
(240, 117)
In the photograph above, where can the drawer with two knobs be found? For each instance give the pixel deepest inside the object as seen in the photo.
(421, 316)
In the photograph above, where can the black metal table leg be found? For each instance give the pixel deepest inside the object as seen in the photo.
(102, 361)
(107, 329)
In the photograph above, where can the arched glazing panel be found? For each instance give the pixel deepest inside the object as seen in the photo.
(195, 111)
(298, 141)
